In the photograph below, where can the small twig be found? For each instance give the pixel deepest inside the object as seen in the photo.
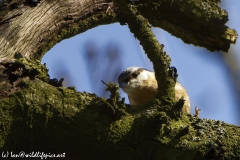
(197, 111)
(104, 83)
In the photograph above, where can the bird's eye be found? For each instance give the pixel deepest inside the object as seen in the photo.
(134, 75)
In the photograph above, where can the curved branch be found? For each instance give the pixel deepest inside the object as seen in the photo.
(33, 30)
(34, 108)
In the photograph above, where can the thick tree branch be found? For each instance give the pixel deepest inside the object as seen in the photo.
(33, 30)
(37, 114)
(196, 22)
(43, 117)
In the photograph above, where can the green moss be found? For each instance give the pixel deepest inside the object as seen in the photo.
(201, 12)
(56, 119)
(153, 49)
(41, 116)
(45, 108)
(193, 21)
(120, 128)
(34, 68)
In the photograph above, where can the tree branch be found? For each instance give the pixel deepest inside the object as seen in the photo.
(139, 26)
(53, 21)
(37, 114)
(32, 31)
(196, 22)
(43, 117)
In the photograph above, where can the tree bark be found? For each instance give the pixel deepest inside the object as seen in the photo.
(38, 114)
(33, 30)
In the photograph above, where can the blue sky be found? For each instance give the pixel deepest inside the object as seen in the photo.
(204, 74)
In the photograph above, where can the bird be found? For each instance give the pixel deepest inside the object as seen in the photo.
(141, 86)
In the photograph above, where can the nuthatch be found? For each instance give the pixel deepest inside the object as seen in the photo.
(141, 86)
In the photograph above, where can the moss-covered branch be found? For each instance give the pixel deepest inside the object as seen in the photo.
(46, 118)
(38, 114)
(201, 22)
(139, 26)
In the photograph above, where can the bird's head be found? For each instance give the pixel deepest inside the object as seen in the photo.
(134, 79)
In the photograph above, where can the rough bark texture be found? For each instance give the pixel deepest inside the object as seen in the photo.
(38, 114)
(32, 30)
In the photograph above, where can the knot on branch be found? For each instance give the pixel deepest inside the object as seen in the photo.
(13, 71)
(24, 67)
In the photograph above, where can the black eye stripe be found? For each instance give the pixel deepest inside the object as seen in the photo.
(134, 74)
(127, 75)
(126, 80)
